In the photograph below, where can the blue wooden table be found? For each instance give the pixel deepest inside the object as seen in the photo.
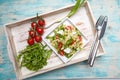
(106, 66)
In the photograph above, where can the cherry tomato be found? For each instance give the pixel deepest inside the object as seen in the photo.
(34, 24)
(61, 52)
(38, 38)
(60, 45)
(31, 33)
(40, 30)
(41, 22)
(30, 41)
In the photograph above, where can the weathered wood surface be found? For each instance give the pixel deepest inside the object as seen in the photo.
(106, 66)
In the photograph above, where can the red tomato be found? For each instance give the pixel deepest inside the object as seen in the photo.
(30, 41)
(61, 52)
(80, 38)
(60, 45)
(68, 28)
(38, 38)
(34, 24)
(41, 22)
(31, 33)
(40, 30)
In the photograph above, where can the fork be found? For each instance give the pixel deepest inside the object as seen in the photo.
(100, 27)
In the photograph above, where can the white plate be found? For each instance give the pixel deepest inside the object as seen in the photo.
(66, 21)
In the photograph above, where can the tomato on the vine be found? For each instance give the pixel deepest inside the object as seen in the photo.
(41, 22)
(38, 38)
(40, 30)
(30, 41)
(36, 31)
(31, 33)
(34, 25)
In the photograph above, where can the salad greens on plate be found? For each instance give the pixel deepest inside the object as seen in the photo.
(66, 39)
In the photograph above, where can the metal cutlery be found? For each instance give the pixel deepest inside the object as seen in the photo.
(100, 28)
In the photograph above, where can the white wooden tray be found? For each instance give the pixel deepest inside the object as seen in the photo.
(16, 34)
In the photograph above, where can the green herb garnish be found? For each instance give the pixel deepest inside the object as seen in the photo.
(34, 57)
(75, 8)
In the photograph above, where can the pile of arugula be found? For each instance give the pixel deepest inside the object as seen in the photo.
(34, 57)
